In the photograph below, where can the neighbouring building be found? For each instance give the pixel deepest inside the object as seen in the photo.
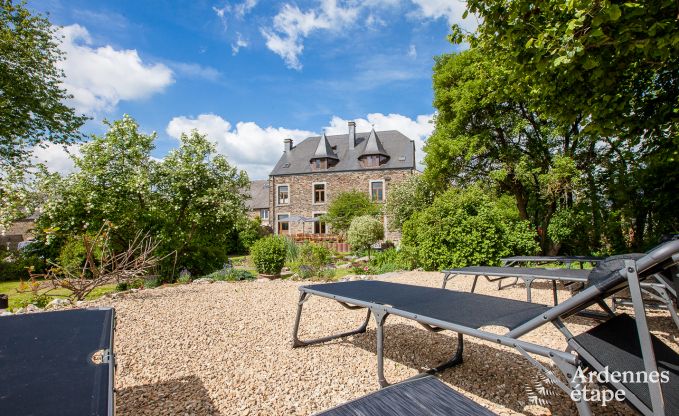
(19, 231)
(258, 204)
(310, 174)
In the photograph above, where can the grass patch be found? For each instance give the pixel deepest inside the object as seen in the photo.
(16, 299)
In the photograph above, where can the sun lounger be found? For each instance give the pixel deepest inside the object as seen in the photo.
(424, 396)
(47, 365)
(526, 274)
(438, 309)
(567, 261)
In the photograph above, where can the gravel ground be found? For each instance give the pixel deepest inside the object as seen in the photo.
(224, 348)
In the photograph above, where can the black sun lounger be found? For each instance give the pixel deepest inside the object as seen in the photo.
(527, 274)
(423, 396)
(567, 261)
(438, 309)
(47, 367)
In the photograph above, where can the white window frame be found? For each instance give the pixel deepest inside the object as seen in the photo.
(313, 215)
(384, 190)
(264, 210)
(278, 221)
(278, 203)
(313, 193)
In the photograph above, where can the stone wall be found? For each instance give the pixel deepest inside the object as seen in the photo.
(301, 192)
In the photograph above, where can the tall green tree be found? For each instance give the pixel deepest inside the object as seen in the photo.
(487, 130)
(614, 62)
(32, 98)
(189, 201)
(345, 207)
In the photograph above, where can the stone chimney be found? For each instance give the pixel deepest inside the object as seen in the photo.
(352, 135)
(287, 145)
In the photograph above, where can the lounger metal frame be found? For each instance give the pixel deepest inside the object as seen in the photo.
(567, 261)
(566, 362)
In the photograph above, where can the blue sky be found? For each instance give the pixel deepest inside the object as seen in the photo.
(249, 73)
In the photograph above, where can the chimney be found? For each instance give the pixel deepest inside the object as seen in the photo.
(287, 145)
(352, 135)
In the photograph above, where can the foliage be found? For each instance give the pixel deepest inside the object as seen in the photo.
(101, 265)
(268, 254)
(17, 265)
(614, 62)
(231, 275)
(190, 201)
(465, 227)
(39, 300)
(312, 260)
(365, 231)
(251, 231)
(345, 207)
(387, 261)
(406, 198)
(291, 251)
(32, 96)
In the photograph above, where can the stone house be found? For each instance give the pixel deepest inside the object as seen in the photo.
(310, 174)
(258, 202)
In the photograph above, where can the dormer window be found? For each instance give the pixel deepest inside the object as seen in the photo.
(322, 163)
(373, 161)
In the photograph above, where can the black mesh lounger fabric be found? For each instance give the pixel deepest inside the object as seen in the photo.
(46, 366)
(467, 309)
(615, 343)
(426, 396)
(569, 275)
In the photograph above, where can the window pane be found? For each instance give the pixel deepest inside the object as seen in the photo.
(283, 195)
(376, 191)
(319, 192)
(319, 227)
(264, 213)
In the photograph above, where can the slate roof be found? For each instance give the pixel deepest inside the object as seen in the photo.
(324, 150)
(374, 146)
(399, 148)
(259, 194)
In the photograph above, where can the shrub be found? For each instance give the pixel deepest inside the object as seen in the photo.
(466, 227)
(251, 232)
(184, 278)
(365, 231)
(291, 251)
(268, 254)
(15, 265)
(345, 207)
(405, 199)
(231, 275)
(312, 260)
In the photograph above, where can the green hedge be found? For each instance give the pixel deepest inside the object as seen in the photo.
(465, 228)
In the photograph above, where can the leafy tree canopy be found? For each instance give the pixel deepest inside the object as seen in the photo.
(346, 206)
(32, 109)
(190, 201)
(613, 62)
(406, 198)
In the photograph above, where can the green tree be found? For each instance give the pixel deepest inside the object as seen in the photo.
(487, 130)
(614, 62)
(405, 199)
(365, 231)
(200, 206)
(345, 207)
(32, 109)
(190, 201)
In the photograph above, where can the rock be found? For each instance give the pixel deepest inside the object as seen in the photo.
(80, 303)
(6, 313)
(58, 303)
(32, 308)
(204, 280)
(344, 266)
(20, 310)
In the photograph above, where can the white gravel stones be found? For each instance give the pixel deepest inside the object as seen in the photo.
(204, 280)
(58, 303)
(224, 348)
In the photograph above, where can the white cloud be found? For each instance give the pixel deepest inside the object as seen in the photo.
(247, 145)
(291, 25)
(418, 129)
(241, 9)
(56, 157)
(239, 43)
(452, 10)
(193, 70)
(100, 77)
(412, 51)
(257, 149)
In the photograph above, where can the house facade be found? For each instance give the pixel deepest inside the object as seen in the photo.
(309, 175)
(258, 201)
